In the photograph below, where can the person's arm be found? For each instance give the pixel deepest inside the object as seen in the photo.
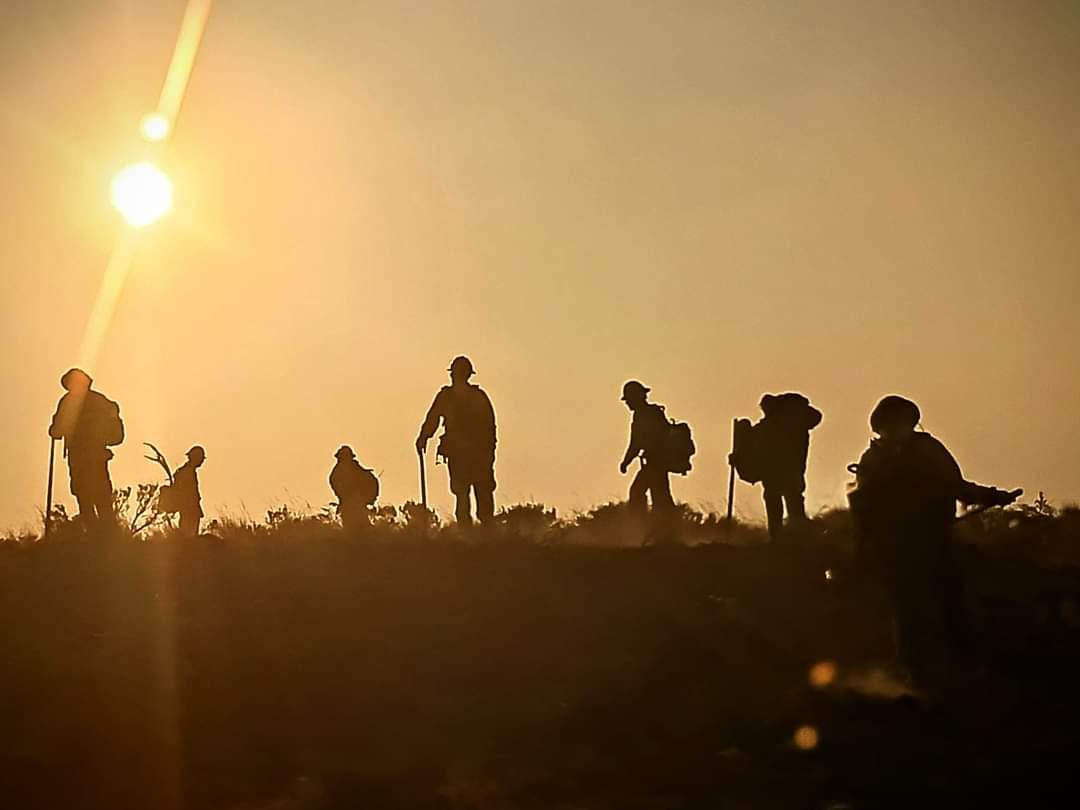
(967, 492)
(490, 415)
(58, 428)
(634, 448)
(431, 422)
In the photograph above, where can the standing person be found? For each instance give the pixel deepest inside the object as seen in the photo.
(356, 489)
(783, 439)
(648, 442)
(89, 423)
(904, 507)
(185, 492)
(467, 443)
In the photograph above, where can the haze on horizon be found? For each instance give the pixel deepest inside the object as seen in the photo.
(720, 199)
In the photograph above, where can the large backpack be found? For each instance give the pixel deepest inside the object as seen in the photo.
(748, 453)
(167, 501)
(679, 447)
(108, 427)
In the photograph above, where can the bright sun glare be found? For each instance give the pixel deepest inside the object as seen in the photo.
(142, 193)
(155, 127)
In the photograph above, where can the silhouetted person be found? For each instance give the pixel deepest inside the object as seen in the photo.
(356, 489)
(783, 439)
(649, 430)
(904, 507)
(185, 492)
(89, 423)
(467, 443)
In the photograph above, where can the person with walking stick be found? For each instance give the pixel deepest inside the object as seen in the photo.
(467, 443)
(89, 423)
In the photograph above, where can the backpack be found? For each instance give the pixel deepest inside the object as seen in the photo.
(166, 500)
(747, 454)
(679, 447)
(367, 487)
(108, 425)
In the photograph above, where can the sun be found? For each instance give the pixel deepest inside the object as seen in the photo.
(142, 193)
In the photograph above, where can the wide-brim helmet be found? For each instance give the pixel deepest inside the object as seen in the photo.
(634, 390)
(461, 365)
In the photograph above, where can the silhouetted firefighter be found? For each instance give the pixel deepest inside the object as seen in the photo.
(774, 452)
(467, 443)
(356, 488)
(904, 507)
(663, 447)
(89, 423)
(186, 497)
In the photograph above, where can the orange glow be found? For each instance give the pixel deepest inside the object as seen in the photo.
(806, 738)
(822, 674)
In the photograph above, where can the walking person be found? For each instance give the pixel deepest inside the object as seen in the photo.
(784, 436)
(662, 447)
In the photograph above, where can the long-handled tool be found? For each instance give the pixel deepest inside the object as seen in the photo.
(423, 479)
(48, 493)
(731, 477)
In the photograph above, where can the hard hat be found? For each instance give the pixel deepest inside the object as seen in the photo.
(894, 410)
(634, 390)
(75, 376)
(345, 452)
(196, 451)
(462, 364)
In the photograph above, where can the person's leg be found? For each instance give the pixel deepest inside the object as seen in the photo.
(103, 499)
(485, 503)
(952, 599)
(80, 490)
(795, 499)
(463, 508)
(460, 486)
(664, 514)
(189, 524)
(484, 488)
(774, 508)
(636, 499)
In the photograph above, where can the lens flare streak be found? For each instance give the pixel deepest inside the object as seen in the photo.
(153, 194)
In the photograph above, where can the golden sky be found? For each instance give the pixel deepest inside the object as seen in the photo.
(843, 198)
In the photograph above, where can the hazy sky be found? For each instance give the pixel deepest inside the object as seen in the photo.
(719, 198)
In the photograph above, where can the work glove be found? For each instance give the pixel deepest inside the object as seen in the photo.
(1004, 498)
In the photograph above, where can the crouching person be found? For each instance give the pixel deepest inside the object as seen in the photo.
(356, 489)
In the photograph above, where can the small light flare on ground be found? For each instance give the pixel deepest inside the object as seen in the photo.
(155, 127)
(822, 674)
(806, 738)
(142, 193)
